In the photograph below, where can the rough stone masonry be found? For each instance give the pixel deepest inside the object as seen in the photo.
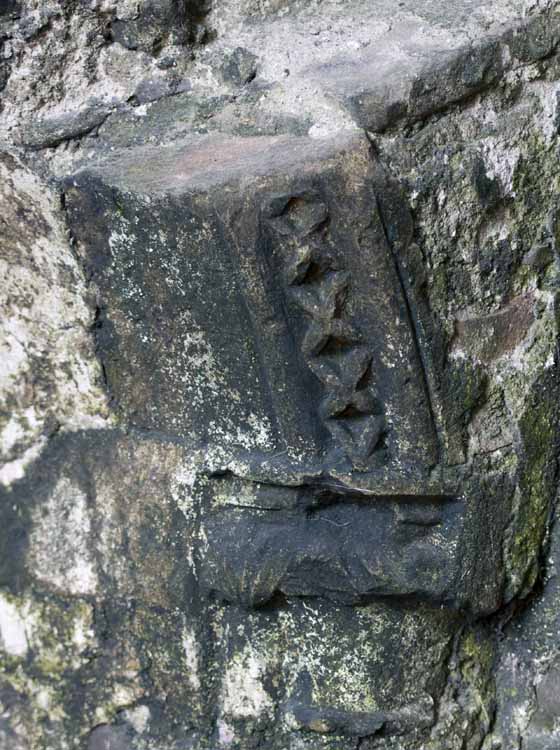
(279, 375)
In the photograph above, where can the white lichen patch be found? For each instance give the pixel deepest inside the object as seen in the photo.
(49, 376)
(182, 484)
(192, 657)
(125, 693)
(13, 635)
(339, 665)
(11, 471)
(200, 385)
(138, 717)
(60, 553)
(226, 735)
(59, 635)
(205, 380)
(243, 693)
(343, 664)
(83, 633)
(502, 159)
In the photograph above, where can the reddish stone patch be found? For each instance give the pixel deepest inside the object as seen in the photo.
(491, 336)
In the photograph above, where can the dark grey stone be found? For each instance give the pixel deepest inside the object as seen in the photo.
(239, 67)
(54, 130)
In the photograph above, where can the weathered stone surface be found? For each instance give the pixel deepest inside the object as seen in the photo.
(50, 379)
(281, 426)
(185, 261)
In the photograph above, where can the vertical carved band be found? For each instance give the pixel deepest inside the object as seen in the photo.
(316, 281)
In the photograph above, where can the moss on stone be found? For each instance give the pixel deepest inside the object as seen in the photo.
(539, 434)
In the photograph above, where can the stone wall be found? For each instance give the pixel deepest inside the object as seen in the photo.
(279, 380)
